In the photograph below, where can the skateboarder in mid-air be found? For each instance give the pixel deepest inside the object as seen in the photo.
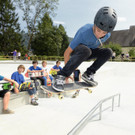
(85, 46)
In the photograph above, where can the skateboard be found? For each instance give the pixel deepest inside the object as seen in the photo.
(76, 94)
(35, 83)
(6, 86)
(69, 87)
(36, 74)
(49, 83)
(24, 86)
(53, 72)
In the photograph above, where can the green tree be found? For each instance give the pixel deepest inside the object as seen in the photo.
(65, 40)
(10, 36)
(49, 40)
(115, 47)
(33, 11)
(44, 42)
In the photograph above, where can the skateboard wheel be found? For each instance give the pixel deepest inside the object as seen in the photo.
(49, 94)
(60, 96)
(90, 91)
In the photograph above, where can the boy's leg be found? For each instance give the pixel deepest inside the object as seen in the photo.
(45, 80)
(51, 77)
(80, 54)
(31, 92)
(101, 55)
(16, 91)
(6, 100)
(6, 96)
(42, 79)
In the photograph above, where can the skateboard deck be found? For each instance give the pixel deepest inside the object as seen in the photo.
(6, 86)
(69, 87)
(53, 72)
(24, 86)
(36, 74)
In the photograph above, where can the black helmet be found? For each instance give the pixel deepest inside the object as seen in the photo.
(106, 19)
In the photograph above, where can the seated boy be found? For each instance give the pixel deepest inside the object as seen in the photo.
(57, 67)
(46, 74)
(34, 69)
(18, 77)
(5, 94)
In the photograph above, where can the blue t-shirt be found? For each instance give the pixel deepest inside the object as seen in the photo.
(55, 67)
(32, 68)
(19, 78)
(1, 78)
(86, 37)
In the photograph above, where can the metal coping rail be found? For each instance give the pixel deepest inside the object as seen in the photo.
(85, 119)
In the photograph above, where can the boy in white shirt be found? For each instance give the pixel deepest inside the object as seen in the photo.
(46, 72)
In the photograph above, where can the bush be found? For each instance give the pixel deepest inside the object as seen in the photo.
(115, 48)
(132, 52)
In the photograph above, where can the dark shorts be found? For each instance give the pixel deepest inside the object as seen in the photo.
(3, 92)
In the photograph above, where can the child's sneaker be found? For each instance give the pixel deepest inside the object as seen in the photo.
(7, 111)
(36, 98)
(34, 102)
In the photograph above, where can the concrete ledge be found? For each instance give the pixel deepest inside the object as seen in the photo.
(21, 99)
(16, 100)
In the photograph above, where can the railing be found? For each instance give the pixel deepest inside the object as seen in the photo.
(88, 117)
(58, 58)
(33, 58)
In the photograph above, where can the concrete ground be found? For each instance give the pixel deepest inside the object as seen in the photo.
(58, 117)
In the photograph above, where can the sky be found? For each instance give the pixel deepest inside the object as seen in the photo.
(73, 14)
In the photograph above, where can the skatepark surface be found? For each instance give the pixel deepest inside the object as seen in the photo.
(57, 117)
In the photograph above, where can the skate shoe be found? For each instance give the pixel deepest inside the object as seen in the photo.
(89, 79)
(58, 83)
(7, 111)
(34, 102)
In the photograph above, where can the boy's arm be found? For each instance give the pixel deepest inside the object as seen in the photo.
(30, 71)
(9, 80)
(12, 81)
(39, 69)
(42, 70)
(79, 77)
(52, 69)
(55, 69)
(67, 54)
